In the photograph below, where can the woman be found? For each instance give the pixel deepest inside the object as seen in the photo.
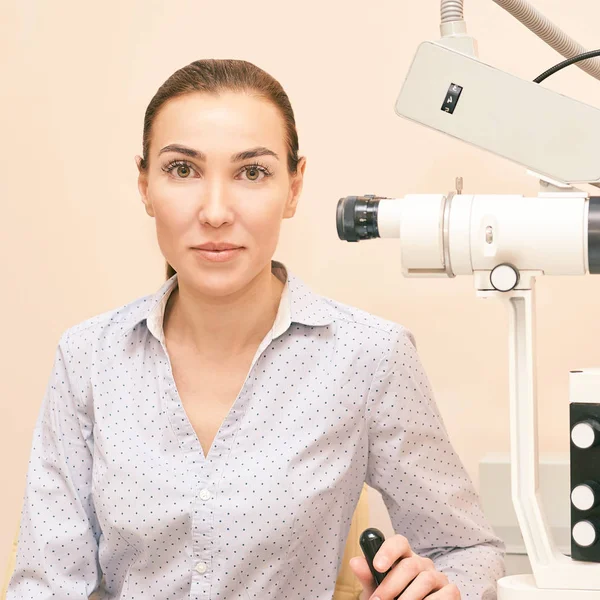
(211, 440)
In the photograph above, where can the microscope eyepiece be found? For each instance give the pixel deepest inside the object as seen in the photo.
(357, 218)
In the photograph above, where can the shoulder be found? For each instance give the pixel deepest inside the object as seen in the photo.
(361, 319)
(365, 326)
(355, 327)
(108, 326)
(371, 346)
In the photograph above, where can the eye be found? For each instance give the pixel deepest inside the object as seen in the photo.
(182, 167)
(254, 171)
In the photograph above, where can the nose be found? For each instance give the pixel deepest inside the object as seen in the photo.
(215, 209)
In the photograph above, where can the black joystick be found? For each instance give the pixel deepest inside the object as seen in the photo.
(370, 541)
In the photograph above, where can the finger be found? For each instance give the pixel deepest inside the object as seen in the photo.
(401, 576)
(448, 592)
(425, 583)
(391, 550)
(359, 565)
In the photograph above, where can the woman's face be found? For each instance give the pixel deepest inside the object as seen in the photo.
(218, 174)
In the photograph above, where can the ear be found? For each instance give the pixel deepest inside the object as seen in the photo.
(295, 189)
(143, 186)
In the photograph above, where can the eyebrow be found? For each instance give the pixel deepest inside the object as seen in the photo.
(197, 154)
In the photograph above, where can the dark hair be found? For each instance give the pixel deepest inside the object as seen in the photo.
(220, 75)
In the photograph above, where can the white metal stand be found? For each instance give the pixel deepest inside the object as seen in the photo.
(555, 576)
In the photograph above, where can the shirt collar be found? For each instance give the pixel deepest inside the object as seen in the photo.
(298, 304)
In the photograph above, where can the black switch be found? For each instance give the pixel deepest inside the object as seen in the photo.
(452, 97)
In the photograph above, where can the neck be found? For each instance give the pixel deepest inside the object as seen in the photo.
(223, 327)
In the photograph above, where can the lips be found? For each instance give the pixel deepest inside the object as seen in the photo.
(226, 253)
(217, 246)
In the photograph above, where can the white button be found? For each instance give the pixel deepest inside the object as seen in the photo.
(583, 497)
(583, 435)
(201, 568)
(584, 533)
(504, 278)
(205, 495)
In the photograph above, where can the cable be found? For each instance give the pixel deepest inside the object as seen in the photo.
(452, 13)
(566, 63)
(549, 32)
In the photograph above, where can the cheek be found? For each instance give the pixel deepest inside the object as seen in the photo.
(173, 209)
(172, 222)
(264, 220)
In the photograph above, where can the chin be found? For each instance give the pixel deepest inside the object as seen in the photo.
(217, 282)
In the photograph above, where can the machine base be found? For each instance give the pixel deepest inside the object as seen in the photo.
(522, 587)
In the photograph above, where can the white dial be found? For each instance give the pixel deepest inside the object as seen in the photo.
(583, 435)
(583, 497)
(504, 277)
(584, 534)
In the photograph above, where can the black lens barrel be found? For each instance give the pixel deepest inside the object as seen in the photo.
(594, 235)
(357, 218)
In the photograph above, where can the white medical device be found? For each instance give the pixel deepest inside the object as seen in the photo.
(505, 242)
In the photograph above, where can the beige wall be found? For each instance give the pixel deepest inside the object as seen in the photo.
(75, 241)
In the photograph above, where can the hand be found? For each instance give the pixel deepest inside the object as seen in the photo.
(411, 578)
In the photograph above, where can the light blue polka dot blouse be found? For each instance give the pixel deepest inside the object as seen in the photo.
(119, 495)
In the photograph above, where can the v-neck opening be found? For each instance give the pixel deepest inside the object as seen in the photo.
(237, 405)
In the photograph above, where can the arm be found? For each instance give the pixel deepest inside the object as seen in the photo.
(58, 538)
(428, 493)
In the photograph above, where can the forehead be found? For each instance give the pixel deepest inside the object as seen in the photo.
(230, 121)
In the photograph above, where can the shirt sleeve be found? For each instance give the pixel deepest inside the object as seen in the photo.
(424, 485)
(58, 537)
